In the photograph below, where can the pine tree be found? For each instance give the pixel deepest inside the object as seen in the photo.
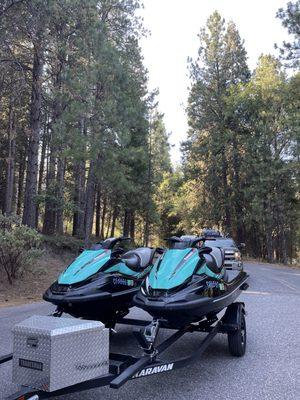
(269, 164)
(212, 142)
(290, 18)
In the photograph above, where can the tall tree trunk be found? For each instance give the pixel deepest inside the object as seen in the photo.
(89, 203)
(132, 226)
(21, 176)
(53, 216)
(50, 204)
(126, 223)
(281, 228)
(108, 224)
(284, 250)
(104, 209)
(269, 244)
(113, 223)
(79, 195)
(79, 190)
(60, 183)
(10, 172)
(149, 188)
(42, 168)
(226, 193)
(2, 185)
(269, 231)
(29, 214)
(98, 212)
(76, 176)
(147, 229)
(236, 188)
(82, 200)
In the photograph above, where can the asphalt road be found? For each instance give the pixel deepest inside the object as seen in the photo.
(269, 370)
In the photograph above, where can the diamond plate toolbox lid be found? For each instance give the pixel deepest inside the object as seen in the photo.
(51, 353)
(53, 326)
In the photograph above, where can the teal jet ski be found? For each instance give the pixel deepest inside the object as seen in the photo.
(189, 282)
(101, 282)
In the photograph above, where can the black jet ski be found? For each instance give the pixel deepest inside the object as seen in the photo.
(189, 282)
(101, 282)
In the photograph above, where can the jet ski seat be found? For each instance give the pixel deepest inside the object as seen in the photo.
(219, 256)
(138, 259)
(215, 259)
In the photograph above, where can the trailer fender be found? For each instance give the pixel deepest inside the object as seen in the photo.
(232, 317)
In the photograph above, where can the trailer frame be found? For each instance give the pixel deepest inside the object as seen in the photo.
(123, 367)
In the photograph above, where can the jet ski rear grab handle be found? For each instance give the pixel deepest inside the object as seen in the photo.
(123, 367)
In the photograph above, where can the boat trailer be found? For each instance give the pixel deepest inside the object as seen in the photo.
(123, 367)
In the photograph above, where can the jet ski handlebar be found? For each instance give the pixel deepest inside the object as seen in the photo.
(193, 240)
(173, 239)
(109, 243)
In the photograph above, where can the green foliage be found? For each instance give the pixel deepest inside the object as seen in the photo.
(94, 116)
(95, 152)
(269, 164)
(19, 247)
(207, 154)
(169, 199)
(243, 146)
(61, 243)
(290, 18)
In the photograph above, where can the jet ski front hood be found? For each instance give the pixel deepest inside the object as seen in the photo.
(85, 265)
(173, 268)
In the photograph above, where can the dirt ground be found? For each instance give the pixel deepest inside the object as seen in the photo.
(32, 285)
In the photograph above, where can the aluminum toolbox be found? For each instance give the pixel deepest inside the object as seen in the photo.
(52, 353)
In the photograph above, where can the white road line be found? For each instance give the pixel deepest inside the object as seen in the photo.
(286, 284)
(254, 292)
(291, 273)
(280, 271)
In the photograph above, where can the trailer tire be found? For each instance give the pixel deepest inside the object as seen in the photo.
(237, 340)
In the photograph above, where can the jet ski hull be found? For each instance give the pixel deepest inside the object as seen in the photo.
(101, 300)
(188, 305)
(99, 284)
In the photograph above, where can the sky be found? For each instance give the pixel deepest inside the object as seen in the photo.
(174, 25)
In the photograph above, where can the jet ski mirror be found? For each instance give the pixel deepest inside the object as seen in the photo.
(160, 250)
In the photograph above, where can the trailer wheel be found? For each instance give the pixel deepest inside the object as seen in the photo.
(237, 340)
